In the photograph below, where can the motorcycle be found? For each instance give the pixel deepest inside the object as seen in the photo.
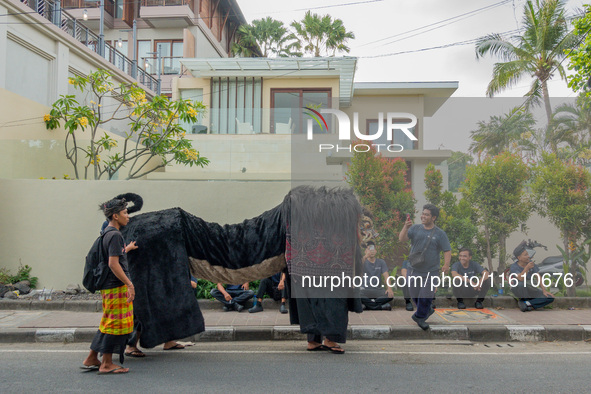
(551, 265)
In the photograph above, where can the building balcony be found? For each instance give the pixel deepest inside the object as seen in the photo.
(76, 9)
(168, 13)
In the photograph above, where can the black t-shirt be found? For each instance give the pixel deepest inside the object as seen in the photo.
(114, 245)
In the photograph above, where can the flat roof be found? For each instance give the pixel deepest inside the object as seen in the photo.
(435, 93)
(342, 67)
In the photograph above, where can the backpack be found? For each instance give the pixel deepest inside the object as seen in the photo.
(96, 268)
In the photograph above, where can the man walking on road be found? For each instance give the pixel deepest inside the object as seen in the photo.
(427, 242)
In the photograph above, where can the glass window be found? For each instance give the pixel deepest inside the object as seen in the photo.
(236, 105)
(287, 109)
(171, 52)
(145, 61)
(398, 136)
(119, 8)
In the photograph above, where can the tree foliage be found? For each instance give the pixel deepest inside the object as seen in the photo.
(382, 188)
(496, 190)
(456, 166)
(322, 34)
(580, 55)
(502, 133)
(456, 218)
(154, 132)
(563, 194)
(537, 53)
(267, 37)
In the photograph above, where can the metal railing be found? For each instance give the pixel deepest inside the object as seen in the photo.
(165, 3)
(51, 11)
(109, 5)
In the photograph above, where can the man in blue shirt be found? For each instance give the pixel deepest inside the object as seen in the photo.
(467, 270)
(524, 270)
(373, 296)
(430, 240)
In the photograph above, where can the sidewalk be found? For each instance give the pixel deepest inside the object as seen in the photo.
(500, 321)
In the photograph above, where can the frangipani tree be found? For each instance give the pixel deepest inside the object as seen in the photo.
(153, 140)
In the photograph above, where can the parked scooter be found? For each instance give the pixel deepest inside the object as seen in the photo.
(553, 264)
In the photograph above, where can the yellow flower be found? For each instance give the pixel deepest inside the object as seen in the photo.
(112, 143)
(46, 118)
(83, 121)
(192, 112)
(92, 102)
(71, 81)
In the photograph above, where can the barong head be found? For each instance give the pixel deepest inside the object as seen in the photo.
(112, 207)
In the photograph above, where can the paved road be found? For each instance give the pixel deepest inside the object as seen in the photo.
(285, 367)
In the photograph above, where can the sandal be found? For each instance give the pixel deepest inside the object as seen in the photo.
(135, 353)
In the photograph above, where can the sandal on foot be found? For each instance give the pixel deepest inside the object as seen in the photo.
(317, 348)
(335, 349)
(113, 371)
(86, 368)
(178, 346)
(135, 353)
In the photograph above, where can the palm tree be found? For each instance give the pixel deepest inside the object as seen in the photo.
(502, 133)
(572, 129)
(246, 43)
(265, 37)
(322, 32)
(537, 53)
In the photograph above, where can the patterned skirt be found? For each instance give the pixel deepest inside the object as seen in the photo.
(116, 324)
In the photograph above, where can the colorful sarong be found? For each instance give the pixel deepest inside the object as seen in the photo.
(117, 312)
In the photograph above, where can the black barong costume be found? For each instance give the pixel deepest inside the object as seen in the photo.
(172, 244)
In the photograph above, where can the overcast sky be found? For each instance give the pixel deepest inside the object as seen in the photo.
(377, 24)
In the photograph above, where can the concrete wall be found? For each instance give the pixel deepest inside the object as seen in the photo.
(50, 224)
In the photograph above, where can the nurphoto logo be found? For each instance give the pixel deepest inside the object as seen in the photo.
(393, 121)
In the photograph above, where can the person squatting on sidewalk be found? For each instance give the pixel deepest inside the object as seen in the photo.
(233, 297)
(117, 294)
(524, 270)
(274, 286)
(373, 295)
(428, 240)
(469, 272)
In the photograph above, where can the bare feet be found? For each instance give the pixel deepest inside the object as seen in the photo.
(92, 359)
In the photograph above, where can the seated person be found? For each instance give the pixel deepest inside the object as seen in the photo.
(274, 286)
(404, 271)
(467, 269)
(524, 270)
(373, 295)
(233, 297)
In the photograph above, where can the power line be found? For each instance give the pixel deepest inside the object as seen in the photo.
(466, 42)
(466, 15)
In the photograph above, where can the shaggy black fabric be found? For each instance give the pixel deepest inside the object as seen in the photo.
(171, 240)
(165, 304)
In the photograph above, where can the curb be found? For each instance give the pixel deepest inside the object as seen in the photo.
(398, 302)
(475, 333)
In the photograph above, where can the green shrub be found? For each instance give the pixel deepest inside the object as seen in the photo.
(24, 273)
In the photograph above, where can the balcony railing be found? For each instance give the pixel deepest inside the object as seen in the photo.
(166, 3)
(109, 5)
(83, 34)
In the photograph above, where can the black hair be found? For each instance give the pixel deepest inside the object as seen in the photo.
(112, 207)
(433, 209)
(370, 243)
(465, 250)
(519, 249)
